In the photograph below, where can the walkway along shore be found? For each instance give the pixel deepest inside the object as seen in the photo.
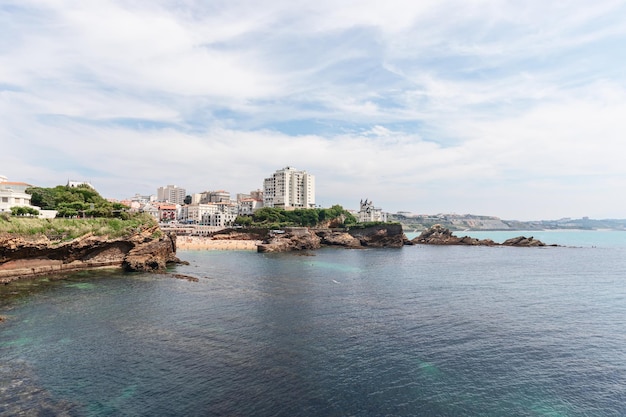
(207, 243)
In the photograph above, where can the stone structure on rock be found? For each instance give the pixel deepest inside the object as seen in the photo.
(145, 251)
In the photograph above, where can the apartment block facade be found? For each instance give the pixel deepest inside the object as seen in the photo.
(171, 194)
(289, 188)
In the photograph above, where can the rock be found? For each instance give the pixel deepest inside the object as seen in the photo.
(336, 238)
(147, 250)
(294, 238)
(523, 241)
(186, 277)
(439, 235)
(380, 236)
(302, 238)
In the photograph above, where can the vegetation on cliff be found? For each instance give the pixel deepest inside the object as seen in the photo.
(60, 229)
(80, 201)
(275, 218)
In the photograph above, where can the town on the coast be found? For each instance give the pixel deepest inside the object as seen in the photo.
(203, 213)
(200, 213)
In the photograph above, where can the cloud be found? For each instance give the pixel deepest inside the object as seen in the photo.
(427, 106)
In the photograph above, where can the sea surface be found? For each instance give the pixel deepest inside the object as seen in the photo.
(416, 331)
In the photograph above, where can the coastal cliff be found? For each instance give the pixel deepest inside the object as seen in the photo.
(24, 256)
(303, 238)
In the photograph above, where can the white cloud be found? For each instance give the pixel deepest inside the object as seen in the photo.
(424, 106)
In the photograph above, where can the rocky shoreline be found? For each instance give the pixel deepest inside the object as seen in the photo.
(153, 250)
(23, 256)
(304, 238)
(439, 235)
(381, 236)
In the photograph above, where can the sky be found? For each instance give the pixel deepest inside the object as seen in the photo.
(504, 108)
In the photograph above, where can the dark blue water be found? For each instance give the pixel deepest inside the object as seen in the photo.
(427, 331)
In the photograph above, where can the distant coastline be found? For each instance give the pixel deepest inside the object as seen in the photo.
(470, 222)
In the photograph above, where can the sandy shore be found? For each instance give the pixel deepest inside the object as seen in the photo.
(206, 243)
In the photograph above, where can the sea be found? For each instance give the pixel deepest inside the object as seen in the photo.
(416, 331)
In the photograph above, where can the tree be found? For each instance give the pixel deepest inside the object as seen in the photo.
(42, 197)
(74, 201)
(24, 211)
(187, 199)
(244, 221)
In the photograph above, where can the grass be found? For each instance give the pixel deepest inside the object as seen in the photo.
(68, 229)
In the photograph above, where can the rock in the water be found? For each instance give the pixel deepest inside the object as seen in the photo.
(293, 238)
(439, 235)
(302, 238)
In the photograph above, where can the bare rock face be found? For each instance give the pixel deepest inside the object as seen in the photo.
(294, 238)
(334, 238)
(439, 235)
(302, 238)
(145, 251)
(523, 241)
(381, 236)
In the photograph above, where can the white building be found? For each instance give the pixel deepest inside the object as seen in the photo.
(218, 215)
(248, 206)
(171, 194)
(289, 188)
(369, 213)
(74, 184)
(13, 194)
(220, 196)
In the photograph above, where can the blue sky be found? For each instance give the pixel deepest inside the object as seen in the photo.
(505, 108)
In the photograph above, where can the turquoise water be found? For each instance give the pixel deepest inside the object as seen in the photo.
(422, 330)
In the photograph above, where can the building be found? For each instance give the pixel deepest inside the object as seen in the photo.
(289, 188)
(171, 194)
(220, 196)
(13, 194)
(74, 184)
(248, 206)
(369, 213)
(167, 212)
(217, 215)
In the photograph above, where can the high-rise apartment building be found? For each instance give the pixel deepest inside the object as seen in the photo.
(172, 194)
(289, 188)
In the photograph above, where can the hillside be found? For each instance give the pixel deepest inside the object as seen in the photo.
(475, 222)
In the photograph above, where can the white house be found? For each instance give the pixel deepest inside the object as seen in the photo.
(13, 194)
(369, 213)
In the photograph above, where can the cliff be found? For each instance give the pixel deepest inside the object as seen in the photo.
(302, 238)
(24, 256)
(439, 235)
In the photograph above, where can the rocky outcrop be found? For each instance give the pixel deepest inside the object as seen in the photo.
(439, 235)
(338, 238)
(302, 238)
(381, 236)
(293, 238)
(147, 250)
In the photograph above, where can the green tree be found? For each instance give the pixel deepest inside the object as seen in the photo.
(42, 197)
(24, 211)
(244, 221)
